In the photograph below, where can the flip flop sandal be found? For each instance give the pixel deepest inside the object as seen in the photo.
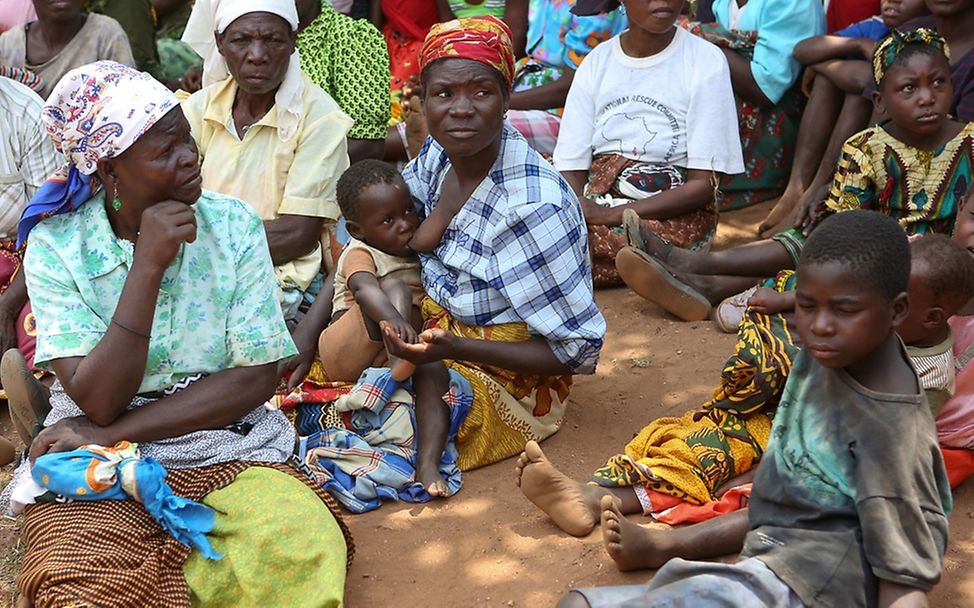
(649, 278)
(636, 240)
(27, 399)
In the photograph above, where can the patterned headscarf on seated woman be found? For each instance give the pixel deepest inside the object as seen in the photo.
(484, 39)
(890, 47)
(95, 111)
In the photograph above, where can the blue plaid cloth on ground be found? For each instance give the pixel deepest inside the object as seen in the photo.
(374, 459)
(517, 251)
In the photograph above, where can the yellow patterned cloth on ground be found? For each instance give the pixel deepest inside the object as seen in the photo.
(691, 456)
(509, 409)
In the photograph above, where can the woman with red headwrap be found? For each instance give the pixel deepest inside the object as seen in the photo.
(509, 286)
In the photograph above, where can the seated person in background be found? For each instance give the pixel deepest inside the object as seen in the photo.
(650, 125)
(378, 281)
(922, 189)
(265, 133)
(850, 502)
(16, 12)
(837, 71)
(63, 37)
(673, 457)
(137, 18)
(556, 42)
(27, 159)
(758, 38)
(348, 59)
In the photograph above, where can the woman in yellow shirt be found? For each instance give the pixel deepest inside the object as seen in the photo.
(265, 133)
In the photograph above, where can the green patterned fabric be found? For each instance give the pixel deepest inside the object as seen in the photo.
(176, 58)
(219, 291)
(890, 47)
(348, 59)
(280, 547)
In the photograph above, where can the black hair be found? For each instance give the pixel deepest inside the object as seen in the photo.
(357, 178)
(870, 244)
(912, 49)
(424, 76)
(950, 268)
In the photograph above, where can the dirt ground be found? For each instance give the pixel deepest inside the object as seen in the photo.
(489, 546)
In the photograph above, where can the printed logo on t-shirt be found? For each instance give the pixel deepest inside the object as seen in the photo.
(638, 127)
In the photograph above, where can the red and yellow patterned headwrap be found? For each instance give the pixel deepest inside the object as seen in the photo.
(484, 39)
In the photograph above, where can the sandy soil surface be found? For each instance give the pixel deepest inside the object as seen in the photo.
(489, 546)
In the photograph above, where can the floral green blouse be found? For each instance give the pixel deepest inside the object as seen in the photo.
(217, 305)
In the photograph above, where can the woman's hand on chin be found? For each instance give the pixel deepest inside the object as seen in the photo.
(68, 434)
(434, 345)
(598, 215)
(163, 229)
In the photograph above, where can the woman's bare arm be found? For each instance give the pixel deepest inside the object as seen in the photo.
(211, 403)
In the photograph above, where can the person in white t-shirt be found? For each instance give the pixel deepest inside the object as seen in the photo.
(649, 125)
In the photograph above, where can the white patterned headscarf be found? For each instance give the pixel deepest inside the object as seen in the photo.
(95, 111)
(212, 17)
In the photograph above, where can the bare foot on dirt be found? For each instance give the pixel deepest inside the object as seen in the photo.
(573, 506)
(631, 546)
(433, 482)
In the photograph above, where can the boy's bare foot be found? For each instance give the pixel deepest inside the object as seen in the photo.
(573, 506)
(631, 546)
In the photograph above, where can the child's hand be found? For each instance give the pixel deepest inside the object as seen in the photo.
(768, 301)
(433, 345)
(403, 330)
(597, 215)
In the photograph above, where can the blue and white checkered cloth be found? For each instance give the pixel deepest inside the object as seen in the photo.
(516, 252)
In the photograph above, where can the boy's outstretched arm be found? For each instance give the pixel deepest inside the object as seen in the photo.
(894, 595)
(821, 48)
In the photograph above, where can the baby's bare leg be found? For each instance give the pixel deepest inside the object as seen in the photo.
(430, 382)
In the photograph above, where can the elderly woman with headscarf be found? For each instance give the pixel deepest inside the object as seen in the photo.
(265, 133)
(153, 309)
(510, 304)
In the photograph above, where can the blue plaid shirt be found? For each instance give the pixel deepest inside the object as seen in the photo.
(516, 252)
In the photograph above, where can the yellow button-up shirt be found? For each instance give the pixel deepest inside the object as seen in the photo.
(294, 177)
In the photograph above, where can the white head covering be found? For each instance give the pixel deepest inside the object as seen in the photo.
(211, 17)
